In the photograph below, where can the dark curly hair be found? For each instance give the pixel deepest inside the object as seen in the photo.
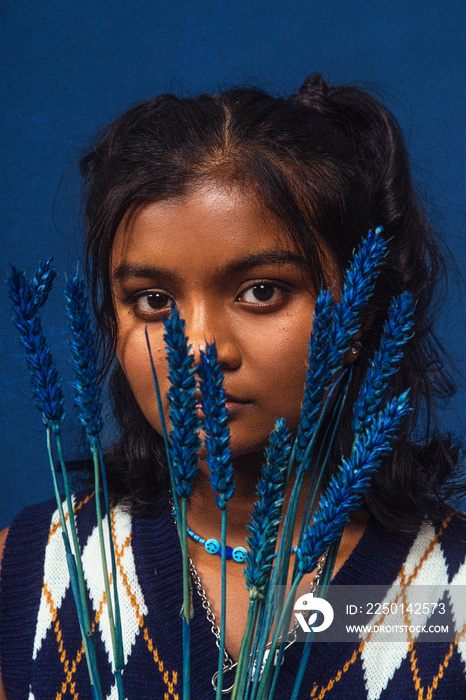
(329, 159)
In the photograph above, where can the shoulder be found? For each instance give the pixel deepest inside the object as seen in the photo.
(26, 544)
(437, 555)
(26, 535)
(435, 550)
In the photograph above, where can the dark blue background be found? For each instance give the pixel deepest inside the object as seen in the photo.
(70, 67)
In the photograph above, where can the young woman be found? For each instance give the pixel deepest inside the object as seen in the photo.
(237, 209)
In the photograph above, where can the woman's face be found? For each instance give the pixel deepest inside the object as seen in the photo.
(236, 278)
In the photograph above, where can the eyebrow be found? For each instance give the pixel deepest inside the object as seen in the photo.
(264, 258)
(126, 270)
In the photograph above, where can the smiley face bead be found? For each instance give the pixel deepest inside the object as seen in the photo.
(239, 554)
(212, 546)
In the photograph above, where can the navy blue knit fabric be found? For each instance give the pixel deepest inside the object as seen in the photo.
(335, 671)
(19, 595)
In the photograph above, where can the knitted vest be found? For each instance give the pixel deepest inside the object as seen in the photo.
(41, 648)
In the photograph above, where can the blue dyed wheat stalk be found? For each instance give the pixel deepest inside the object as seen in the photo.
(217, 444)
(90, 409)
(28, 298)
(263, 527)
(184, 445)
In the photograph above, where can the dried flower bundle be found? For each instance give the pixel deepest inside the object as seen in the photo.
(376, 418)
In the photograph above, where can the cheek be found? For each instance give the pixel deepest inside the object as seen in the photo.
(133, 355)
(282, 364)
(290, 377)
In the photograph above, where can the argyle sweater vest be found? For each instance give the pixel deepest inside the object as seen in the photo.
(41, 649)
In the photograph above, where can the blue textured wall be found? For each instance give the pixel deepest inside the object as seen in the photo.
(70, 67)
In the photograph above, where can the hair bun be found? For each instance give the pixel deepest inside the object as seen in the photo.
(313, 86)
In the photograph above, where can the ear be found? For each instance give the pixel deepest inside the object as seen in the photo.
(354, 352)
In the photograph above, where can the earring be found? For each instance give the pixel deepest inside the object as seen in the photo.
(356, 347)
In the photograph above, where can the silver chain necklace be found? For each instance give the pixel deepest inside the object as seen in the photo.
(228, 663)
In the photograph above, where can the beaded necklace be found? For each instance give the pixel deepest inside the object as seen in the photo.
(212, 546)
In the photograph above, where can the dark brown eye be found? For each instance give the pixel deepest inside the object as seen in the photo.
(261, 293)
(153, 301)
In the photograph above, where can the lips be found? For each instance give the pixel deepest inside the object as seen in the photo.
(234, 400)
(232, 403)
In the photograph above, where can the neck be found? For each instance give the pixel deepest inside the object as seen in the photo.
(204, 516)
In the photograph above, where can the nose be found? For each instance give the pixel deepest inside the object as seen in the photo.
(208, 324)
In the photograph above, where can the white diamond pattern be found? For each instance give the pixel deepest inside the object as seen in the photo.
(381, 659)
(57, 581)
(130, 601)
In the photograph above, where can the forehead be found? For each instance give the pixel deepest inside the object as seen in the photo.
(211, 225)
